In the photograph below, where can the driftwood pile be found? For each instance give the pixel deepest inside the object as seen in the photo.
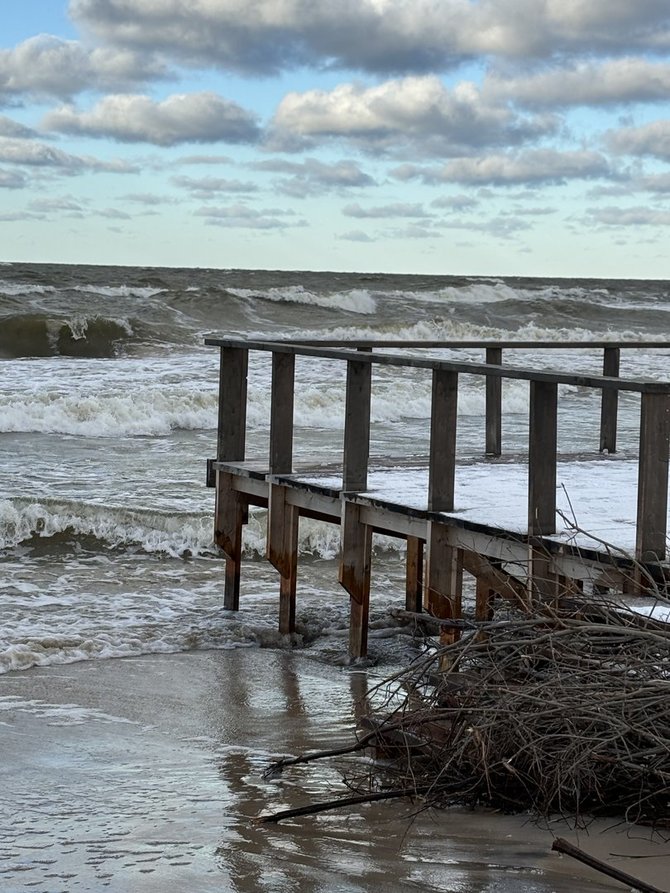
(541, 712)
(552, 713)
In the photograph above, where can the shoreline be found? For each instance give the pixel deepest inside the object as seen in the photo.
(146, 773)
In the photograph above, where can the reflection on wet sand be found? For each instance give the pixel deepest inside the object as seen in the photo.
(146, 774)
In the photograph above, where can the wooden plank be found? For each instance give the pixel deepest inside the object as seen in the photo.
(652, 488)
(233, 371)
(281, 413)
(442, 458)
(609, 404)
(414, 574)
(282, 553)
(542, 458)
(357, 426)
(493, 404)
(354, 574)
(229, 516)
(444, 579)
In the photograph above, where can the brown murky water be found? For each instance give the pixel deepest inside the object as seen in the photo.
(146, 774)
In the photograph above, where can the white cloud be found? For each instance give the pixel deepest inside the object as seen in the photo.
(651, 139)
(204, 187)
(314, 177)
(36, 154)
(541, 166)
(240, 216)
(395, 209)
(374, 35)
(356, 235)
(12, 179)
(13, 129)
(640, 216)
(47, 66)
(182, 118)
(613, 81)
(416, 112)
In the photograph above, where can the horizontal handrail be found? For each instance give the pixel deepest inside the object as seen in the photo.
(483, 343)
(467, 367)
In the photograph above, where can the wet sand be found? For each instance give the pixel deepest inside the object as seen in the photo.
(146, 774)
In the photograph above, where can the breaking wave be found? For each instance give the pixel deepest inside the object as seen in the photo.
(36, 335)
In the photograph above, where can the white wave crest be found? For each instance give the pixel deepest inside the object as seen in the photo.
(120, 291)
(357, 300)
(14, 289)
(142, 412)
(173, 533)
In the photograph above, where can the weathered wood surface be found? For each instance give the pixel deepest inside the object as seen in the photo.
(652, 491)
(281, 413)
(414, 574)
(472, 368)
(493, 404)
(442, 457)
(542, 458)
(357, 426)
(233, 370)
(354, 574)
(609, 405)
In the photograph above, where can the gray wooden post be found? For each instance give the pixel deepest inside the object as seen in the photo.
(357, 426)
(542, 458)
(652, 488)
(442, 461)
(609, 401)
(281, 413)
(494, 404)
(233, 370)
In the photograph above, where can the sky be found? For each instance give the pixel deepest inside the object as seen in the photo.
(476, 137)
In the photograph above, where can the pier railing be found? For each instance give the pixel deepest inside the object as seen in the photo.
(361, 357)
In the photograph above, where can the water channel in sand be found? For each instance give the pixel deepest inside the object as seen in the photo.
(145, 774)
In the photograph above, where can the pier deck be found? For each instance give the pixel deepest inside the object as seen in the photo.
(534, 527)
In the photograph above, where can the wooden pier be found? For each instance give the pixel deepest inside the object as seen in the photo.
(533, 563)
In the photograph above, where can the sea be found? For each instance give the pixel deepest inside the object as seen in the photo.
(108, 413)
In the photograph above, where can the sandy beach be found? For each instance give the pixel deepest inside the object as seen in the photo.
(146, 774)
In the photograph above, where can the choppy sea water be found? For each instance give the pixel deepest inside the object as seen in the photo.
(108, 413)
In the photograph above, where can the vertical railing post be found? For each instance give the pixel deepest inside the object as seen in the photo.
(357, 426)
(542, 458)
(609, 401)
(281, 413)
(233, 370)
(652, 488)
(442, 458)
(494, 404)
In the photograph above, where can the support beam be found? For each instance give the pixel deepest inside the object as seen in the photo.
(281, 413)
(233, 371)
(652, 488)
(282, 552)
(357, 427)
(444, 579)
(494, 404)
(542, 458)
(543, 581)
(442, 460)
(609, 405)
(414, 574)
(229, 517)
(354, 575)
